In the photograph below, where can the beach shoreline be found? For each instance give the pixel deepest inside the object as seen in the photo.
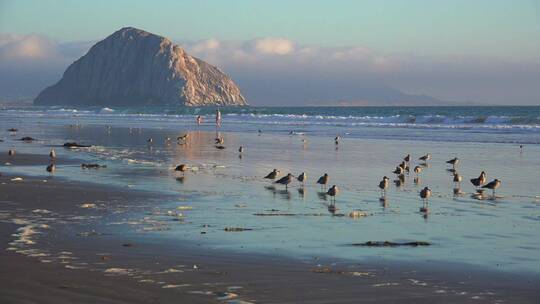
(138, 266)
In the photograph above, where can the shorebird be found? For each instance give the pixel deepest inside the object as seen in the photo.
(182, 137)
(425, 158)
(273, 174)
(219, 140)
(52, 154)
(457, 178)
(454, 161)
(11, 152)
(150, 140)
(286, 180)
(398, 170)
(302, 177)
(404, 166)
(520, 148)
(181, 168)
(480, 180)
(383, 184)
(425, 194)
(51, 168)
(407, 158)
(323, 180)
(336, 139)
(494, 184)
(333, 192)
(241, 149)
(417, 170)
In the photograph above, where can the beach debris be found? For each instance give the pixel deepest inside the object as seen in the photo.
(92, 166)
(89, 233)
(17, 179)
(75, 145)
(220, 147)
(11, 152)
(222, 296)
(236, 229)
(357, 214)
(392, 244)
(88, 205)
(27, 139)
(184, 208)
(181, 168)
(128, 245)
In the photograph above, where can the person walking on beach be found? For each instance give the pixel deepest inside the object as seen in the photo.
(199, 120)
(218, 118)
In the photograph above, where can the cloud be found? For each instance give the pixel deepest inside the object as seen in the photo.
(279, 71)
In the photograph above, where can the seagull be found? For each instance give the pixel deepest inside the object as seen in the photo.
(425, 194)
(407, 158)
(425, 158)
(11, 152)
(333, 191)
(241, 149)
(149, 140)
(454, 161)
(302, 177)
(417, 170)
(336, 139)
(273, 174)
(383, 184)
(323, 180)
(398, 170)
(182, 168)
(480, 180)
(52, 154)
(286, 180)
(51, 168)
(494, 184)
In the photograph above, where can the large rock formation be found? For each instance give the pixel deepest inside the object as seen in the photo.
(134, 67)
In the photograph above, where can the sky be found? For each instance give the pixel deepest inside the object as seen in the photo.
(300, 52)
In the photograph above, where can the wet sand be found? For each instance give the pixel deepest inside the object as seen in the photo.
(126, 269)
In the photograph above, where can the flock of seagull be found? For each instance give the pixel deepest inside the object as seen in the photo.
(400, 170)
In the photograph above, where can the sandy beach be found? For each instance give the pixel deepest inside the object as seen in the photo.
(62, 242)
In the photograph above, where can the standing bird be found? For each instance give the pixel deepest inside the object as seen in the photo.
(273, 174)
(494, 184)
(336, 139)
(333, 192)
(398, 170)
(241, 149)
(454, 161)
(480, 180)
(150, 140)
(457, 178)
(302, 177)
(286, 180)
(52, 154)
(181, 168)
(425, 158)
(323, 180)
(383, 184)
(425, 193)
(51, 168)
(11, 152)
(219, 140)
(417, 170)
(407, 158)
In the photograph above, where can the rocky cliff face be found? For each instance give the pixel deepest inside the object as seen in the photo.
(134, 67)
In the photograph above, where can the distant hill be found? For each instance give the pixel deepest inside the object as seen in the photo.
(135, 67)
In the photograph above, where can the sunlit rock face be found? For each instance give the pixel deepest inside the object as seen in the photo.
(134, 67)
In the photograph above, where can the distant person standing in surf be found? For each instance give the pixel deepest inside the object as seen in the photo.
(218, 118)
(199, 120)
